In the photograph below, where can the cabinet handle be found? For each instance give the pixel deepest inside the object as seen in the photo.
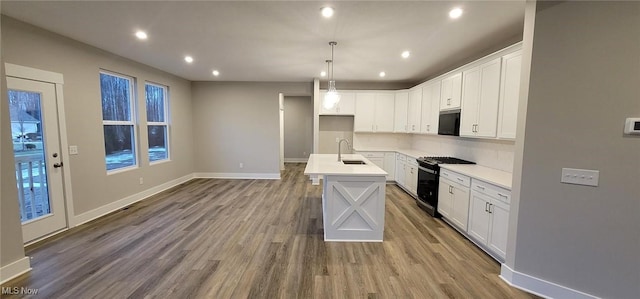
(449, 102)
(413, 127)
(490, 211)
(428, 128)
(502, 195)
(479, 187)
(459, 179)
(451, 189)
(486, 207)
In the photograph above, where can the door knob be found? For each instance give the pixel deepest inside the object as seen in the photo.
(57, 165)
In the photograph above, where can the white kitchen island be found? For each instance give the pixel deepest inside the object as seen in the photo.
(353, 197)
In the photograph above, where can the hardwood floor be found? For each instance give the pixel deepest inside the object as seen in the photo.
(213, 238)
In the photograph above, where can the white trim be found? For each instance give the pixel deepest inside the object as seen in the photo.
(296, 160)
(242, 176)
(64, 151)
(119, 204)
(539, 286)
(15, 269)
(24, 72)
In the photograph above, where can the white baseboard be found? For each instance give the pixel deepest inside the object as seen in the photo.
(15, 269)
(241, 176)
(296, 160)
(119, 204)
(539, 286)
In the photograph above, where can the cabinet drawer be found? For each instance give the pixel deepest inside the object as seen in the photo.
(401, 157)
(455, 177)
(372, 154)
(491, 190)
(412, 161)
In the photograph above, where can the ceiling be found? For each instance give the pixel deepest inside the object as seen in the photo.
(285, 40)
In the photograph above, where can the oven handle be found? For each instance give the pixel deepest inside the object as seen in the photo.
(426, 169)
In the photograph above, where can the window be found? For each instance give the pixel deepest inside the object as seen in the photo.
(157, 122)
(118, 121)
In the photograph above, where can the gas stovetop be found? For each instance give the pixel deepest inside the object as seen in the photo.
(434, 161)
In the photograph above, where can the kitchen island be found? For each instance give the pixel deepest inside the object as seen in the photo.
(353, 197)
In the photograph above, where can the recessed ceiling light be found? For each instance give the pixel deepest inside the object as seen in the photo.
(323, 74)
(406, 54)
(216, 73)
(141, 34)
(327, 12)
(382, 74)
(188, 59)
(455, 13)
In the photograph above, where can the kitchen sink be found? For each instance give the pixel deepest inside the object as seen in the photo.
(354, 162)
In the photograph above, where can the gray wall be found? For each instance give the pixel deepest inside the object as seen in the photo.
(11, 248)
(332, 127)
(30, 46)
(298, 127)
(584, 82)
(238, 122)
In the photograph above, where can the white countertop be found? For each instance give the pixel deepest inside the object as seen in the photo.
(497, 177)
(328, 164)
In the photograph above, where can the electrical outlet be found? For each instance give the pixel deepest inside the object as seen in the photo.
(580, 176)
(141, 181)
(73, 150)
(241, 165)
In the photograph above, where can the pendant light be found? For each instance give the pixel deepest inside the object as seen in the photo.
(332, 97)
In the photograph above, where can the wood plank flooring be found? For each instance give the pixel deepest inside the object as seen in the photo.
(214, 238)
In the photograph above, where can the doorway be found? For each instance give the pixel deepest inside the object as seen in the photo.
(35, 134)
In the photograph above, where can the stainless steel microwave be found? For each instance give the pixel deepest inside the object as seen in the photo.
(449, 123)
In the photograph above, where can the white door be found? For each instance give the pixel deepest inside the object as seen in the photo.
(281, 105)
(39, 166)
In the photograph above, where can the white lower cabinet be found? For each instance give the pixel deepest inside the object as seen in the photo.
(384, 160)
(453, 198)
(401, 164)
(489, 217)
(411, 176)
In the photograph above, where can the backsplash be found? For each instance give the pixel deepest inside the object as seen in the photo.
(381, 140)
(497, 154)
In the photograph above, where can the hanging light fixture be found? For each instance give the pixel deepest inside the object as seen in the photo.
(332, 97)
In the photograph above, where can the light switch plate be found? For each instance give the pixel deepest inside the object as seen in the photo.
(73, 150)
(584, 177)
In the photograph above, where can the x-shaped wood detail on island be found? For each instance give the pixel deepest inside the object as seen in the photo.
(355, 205)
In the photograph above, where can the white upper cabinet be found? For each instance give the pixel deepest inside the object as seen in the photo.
(401, 108)
(430, 108)
(509, 95)
(451, 92)
(374, 112)
(346, 106)
(414, 111)
(480, 98)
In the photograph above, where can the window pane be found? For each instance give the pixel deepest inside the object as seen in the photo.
(155, 103)
(119, 146)
(116, 93)
(157, 143)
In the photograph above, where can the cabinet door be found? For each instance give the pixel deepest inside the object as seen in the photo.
(400, 112)
(497, 241)
(365, 112)
(430, 108)
(470, 101)
(347, 104)
(487, 123)
(445, 204)
(384, 111)
(400, 172)
(413, 179)
(414, 111)
(479, 217)
(509, 95)
(324, 110)
(390, 165)
(451, 92)
(460, 211)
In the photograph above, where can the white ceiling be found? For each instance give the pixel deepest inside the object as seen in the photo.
(283, 41)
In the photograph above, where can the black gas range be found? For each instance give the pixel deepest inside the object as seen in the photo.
(428, 180)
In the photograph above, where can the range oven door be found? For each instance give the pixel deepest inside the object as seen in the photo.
(428, 190)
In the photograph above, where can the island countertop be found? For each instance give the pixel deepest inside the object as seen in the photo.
(328, 164)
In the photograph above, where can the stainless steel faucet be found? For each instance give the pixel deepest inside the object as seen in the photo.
(339, 148)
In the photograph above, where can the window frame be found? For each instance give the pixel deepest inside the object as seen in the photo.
(165, 123)
(131, 122)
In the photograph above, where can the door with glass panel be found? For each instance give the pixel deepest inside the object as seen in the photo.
(38, 161)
